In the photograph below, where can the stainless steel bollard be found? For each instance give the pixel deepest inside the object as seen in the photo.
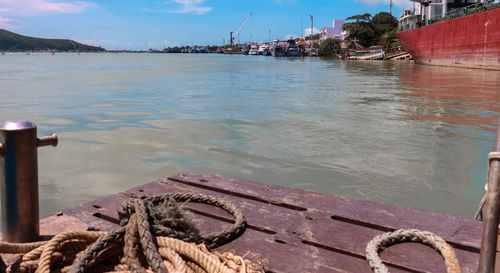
(19, 179)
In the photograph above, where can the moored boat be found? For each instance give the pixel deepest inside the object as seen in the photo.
(453, 34)
(263, 49)
(231, 51)
(311, 52)
(293, 49)
(366, 54)
(277, 49)
(254, 50)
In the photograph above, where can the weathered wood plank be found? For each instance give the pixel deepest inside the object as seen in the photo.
(94, 213)
(462, 232)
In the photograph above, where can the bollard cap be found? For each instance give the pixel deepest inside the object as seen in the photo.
(16, 125)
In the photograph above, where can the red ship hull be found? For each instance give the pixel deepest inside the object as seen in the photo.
(472, 41)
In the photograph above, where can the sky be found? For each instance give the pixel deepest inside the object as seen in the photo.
(144, 24)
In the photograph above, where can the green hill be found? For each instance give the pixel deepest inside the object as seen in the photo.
(10, 41)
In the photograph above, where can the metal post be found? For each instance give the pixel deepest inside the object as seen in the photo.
(312, 28)
(490, 229)
(429, 13)
(445, 8)
(19, 179)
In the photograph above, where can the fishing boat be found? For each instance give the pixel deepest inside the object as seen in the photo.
(366, 54)
(453, 33)
(293, 49)
(312, 52)
(231, 51)
(277, 49)
(263, 49)
(254, 50)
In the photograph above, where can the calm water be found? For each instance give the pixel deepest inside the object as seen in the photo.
(392, 132)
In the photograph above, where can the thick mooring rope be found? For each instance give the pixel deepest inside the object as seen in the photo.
(171, 226)
(155, 236)
(383, 241)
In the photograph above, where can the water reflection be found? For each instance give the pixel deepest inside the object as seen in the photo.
(460, 96)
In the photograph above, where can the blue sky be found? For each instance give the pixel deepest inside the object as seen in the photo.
(143, 24)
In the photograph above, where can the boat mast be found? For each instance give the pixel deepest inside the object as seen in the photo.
(312, 29)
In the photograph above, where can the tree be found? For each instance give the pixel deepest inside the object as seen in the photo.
(360, 18)
(389, 40)
(314, 37)
(381, 29)
(385, 26)
(329, 47)
(362, 30)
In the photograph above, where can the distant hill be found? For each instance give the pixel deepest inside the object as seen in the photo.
(10, 41)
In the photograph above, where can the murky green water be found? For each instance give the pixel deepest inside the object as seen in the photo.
(392, 132)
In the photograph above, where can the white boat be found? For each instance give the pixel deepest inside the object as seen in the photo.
(254, 50)
(263, 49)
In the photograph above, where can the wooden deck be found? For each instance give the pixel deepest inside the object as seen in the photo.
(296, 230)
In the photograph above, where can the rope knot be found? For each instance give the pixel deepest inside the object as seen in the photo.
(166, 218)
(162, 217)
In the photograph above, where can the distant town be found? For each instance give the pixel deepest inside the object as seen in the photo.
(362, 36)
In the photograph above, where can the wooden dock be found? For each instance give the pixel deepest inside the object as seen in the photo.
(294, 230)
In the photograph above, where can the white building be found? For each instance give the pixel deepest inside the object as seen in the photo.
(333, 32)
(438, 8)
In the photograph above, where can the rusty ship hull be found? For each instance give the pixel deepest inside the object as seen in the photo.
(471, 41)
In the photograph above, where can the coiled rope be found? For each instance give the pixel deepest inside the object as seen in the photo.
(156, 235)
(383, 241)
(379, 243)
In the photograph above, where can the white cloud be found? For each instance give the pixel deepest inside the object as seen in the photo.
(191, 6)
(307, 31)
(43, 7)
(8, 23)
(397, 3)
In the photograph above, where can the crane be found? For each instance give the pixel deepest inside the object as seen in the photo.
(237, 32)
